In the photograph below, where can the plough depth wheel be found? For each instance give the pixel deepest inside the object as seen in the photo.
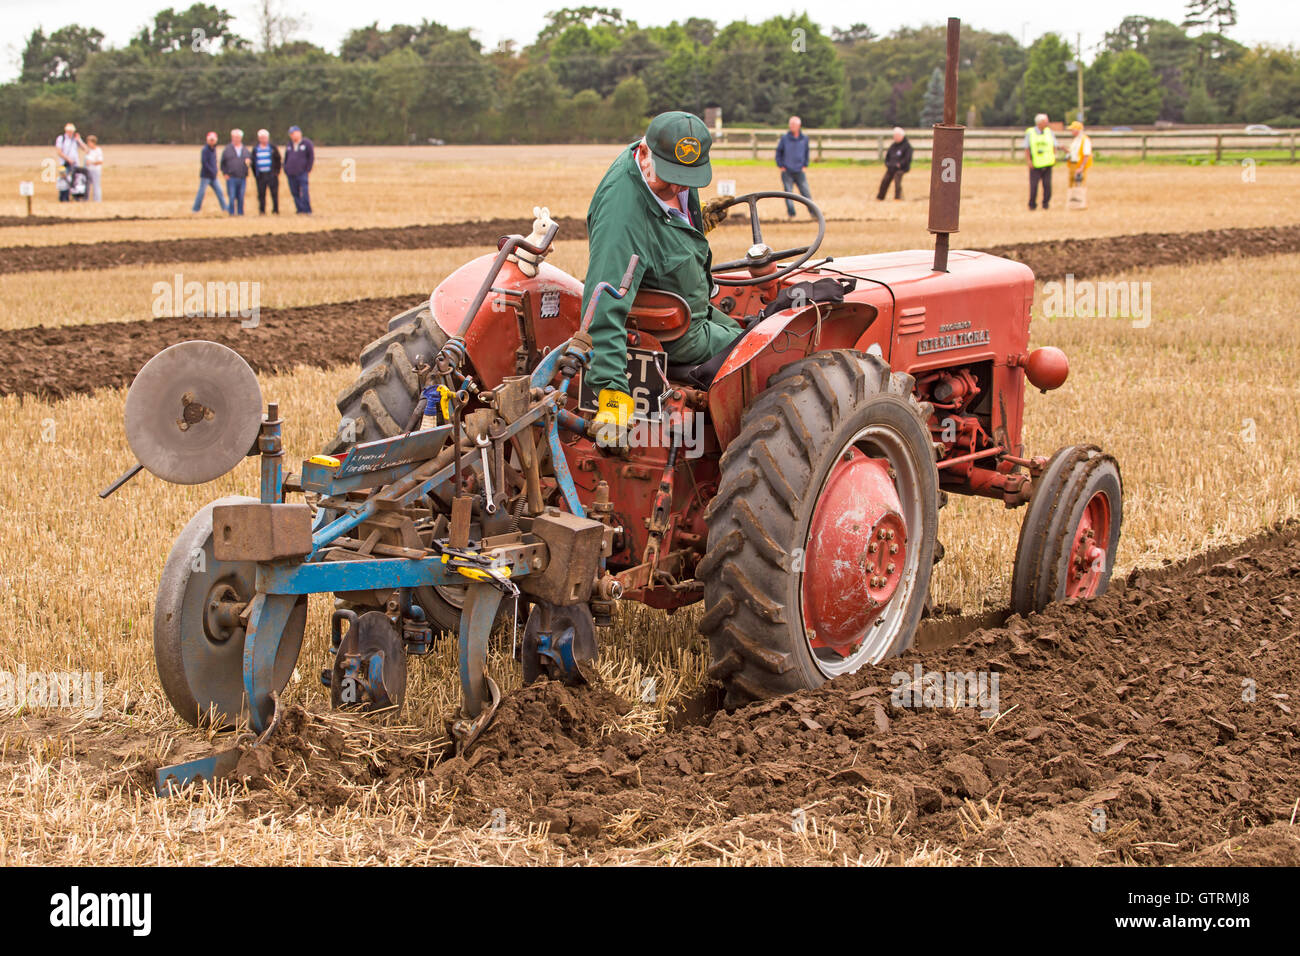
(198, 636)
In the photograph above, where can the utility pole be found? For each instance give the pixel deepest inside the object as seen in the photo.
(1078, 68)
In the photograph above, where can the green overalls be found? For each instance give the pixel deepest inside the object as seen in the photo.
(625, 218)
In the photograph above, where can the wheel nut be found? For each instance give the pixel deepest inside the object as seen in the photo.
(890, 569)
(893, 549)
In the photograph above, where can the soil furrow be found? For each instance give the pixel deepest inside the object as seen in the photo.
(65, 360)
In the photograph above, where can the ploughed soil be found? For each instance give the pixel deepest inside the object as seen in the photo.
(7, 221)
(1082, 257)
(55, 362)
(1158, 724)
(108, 255)
(1102, 255)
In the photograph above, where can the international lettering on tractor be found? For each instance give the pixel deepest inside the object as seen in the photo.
(468, 477)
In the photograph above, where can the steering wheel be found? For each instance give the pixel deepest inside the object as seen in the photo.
(760, 253)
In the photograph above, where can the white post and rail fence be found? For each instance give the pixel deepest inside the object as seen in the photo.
(1004, 144)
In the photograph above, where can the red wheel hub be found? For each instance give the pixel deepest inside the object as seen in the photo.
(1088, 550)
(856, 552)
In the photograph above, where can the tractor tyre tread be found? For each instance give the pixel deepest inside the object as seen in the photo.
(768, 470)
(1058, 493)
(379, 402)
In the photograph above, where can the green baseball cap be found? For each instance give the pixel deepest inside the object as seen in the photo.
(680, 144)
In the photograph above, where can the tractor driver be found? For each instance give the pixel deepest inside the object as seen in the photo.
(649, 204)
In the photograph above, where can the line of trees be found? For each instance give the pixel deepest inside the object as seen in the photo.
(592, 74)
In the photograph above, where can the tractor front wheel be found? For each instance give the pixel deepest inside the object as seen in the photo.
(1070, 532)
(822, 535)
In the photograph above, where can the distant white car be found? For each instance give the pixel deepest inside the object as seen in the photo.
(1259, 128)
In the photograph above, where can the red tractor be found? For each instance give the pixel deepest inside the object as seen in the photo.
(797, 491)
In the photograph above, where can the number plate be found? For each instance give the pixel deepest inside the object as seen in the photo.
(647, 372)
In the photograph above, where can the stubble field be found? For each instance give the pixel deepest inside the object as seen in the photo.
(1199, 404)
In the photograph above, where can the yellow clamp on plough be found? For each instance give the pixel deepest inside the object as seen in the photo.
(467, 565)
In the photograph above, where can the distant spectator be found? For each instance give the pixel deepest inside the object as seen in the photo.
(898, 160)
(66, 148)
(793, 157)
(94, 167)
(208, 173)
(1079, 155)
(1040, 156)
(235, 160)
(299, 157)
(266, 170)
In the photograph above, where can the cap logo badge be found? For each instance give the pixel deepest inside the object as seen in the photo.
(688, 149)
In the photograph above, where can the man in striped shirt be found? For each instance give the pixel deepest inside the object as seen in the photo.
(266, 170)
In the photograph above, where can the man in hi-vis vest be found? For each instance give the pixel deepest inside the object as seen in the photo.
(1040, 155)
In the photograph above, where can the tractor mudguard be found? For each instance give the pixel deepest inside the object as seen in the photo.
(553, 306)
(774, 343)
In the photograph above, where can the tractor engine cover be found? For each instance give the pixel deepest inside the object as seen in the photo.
(574, 547)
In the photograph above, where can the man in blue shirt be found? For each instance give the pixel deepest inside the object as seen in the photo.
(266, 170)
(793, 158)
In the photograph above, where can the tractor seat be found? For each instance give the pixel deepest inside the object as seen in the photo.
(665, 315)
(702, 374)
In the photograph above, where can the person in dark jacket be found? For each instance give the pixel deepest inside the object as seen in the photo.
(235, 160)
(793, 157)
(208, 173)
(266, 171)
(299, 157)
(898, 160)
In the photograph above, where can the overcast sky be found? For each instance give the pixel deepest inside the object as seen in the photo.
(327, 21)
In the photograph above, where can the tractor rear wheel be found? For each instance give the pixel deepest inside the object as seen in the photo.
(380, 402)
(822, 534)
(1068, 538)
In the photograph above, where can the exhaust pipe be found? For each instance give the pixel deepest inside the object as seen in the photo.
(945, 157)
